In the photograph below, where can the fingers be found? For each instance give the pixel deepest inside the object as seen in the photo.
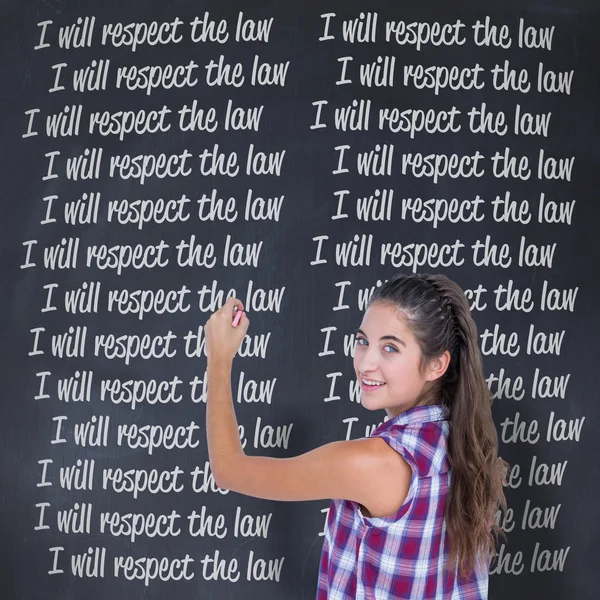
(231, 302)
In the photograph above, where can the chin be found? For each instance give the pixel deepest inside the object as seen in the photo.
(369, 404)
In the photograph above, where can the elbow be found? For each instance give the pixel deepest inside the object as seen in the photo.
(219, 474)
(224, 473)
(221, 482)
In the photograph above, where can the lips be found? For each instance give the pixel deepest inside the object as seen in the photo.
(372, 384)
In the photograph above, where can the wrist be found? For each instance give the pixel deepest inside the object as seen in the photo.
(219, 364)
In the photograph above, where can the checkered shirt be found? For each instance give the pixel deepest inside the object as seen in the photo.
(401, 556)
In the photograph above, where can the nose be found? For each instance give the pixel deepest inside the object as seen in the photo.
(365, 359)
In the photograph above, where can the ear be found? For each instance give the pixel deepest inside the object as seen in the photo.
(438, 366)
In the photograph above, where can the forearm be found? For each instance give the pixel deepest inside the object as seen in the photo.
(224, 447)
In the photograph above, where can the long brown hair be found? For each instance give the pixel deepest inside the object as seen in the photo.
(438, 314)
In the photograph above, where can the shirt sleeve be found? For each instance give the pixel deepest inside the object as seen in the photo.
(423, 447)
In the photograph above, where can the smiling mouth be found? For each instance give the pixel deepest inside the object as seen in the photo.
(370, 385)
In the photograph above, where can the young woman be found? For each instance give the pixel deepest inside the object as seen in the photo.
(413, 509)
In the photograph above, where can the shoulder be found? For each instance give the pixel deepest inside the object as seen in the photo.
(367, 460)
(424, 445)
(386, 473)
(374, 455)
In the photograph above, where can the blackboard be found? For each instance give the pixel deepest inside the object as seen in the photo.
(156, 157)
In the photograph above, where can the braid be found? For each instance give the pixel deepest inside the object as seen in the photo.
(444, 301)
(454, 334)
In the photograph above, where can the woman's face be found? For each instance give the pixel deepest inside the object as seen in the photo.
(387, 353)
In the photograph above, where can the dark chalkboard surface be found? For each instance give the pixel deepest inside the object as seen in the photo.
(156, 157)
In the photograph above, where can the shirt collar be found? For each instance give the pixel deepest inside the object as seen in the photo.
(418, 414)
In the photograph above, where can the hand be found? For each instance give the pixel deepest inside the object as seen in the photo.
(222, 338)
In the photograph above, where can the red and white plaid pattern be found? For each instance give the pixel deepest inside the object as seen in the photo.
(401, 556)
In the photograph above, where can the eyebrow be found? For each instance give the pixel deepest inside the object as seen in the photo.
(385, 337)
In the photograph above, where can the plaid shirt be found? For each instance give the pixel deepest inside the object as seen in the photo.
(401, 556)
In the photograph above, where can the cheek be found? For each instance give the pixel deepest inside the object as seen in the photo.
(406, 375)
(398, 373)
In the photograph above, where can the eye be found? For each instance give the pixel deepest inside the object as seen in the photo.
(362, 339)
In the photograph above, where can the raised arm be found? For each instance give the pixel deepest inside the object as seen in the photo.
(367, 470)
